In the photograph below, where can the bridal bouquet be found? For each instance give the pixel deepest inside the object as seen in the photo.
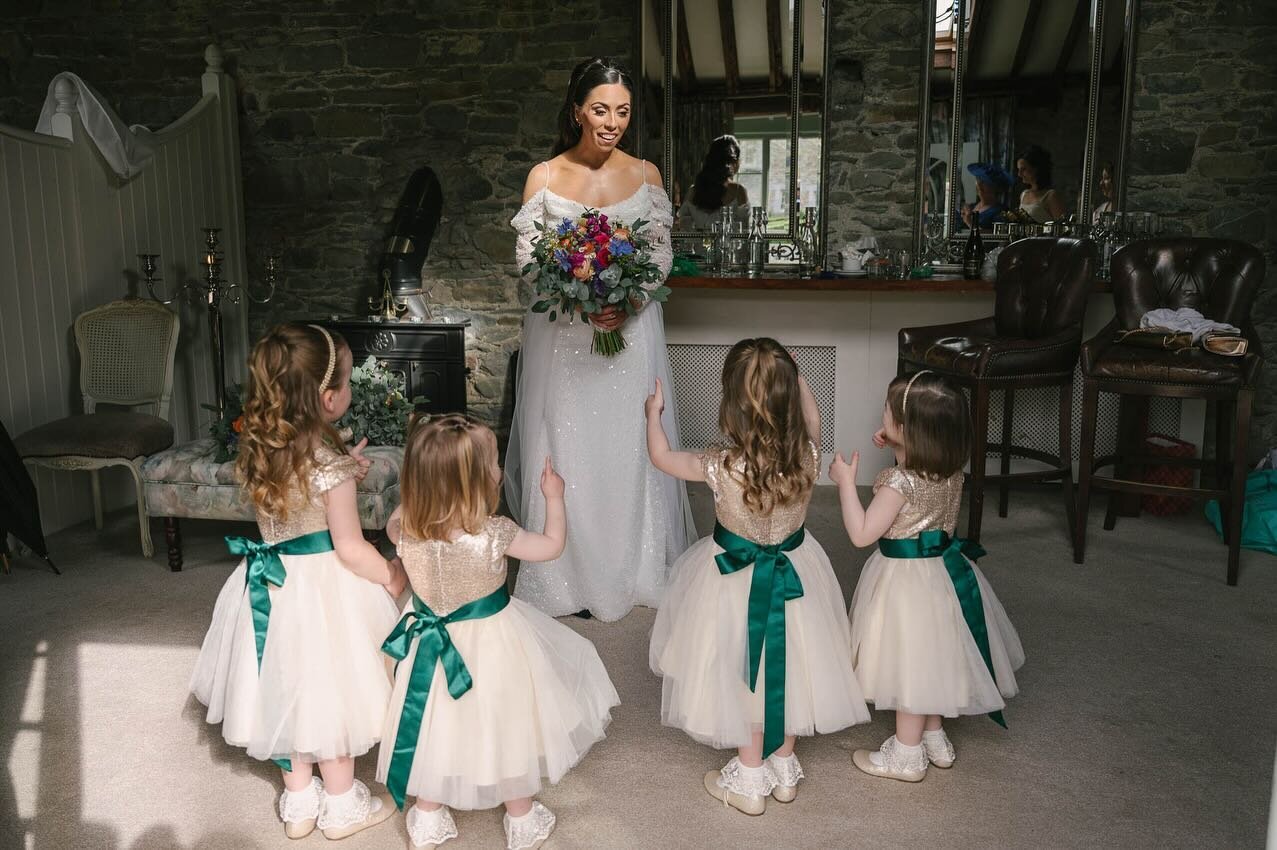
(589, 264)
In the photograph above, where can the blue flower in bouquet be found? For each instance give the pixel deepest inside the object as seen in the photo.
(564, 259)
(566, 227)
(620, 247)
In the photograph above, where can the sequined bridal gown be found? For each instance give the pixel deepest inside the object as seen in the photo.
(627, 522)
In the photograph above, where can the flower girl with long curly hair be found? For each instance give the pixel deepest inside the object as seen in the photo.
(291, 665)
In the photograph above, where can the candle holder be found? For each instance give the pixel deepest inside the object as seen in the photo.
(388, 307)
(211, 291)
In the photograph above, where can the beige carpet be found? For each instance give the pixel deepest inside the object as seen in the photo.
(1146, 718)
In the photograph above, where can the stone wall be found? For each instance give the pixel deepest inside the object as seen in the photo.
(339, 103)
(1204, 140)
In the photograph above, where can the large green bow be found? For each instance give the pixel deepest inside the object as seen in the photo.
(435, 646)
(955, 552)
(773, 584)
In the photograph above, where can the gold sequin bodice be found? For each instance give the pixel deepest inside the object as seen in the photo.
(446, 575)
(328, 468)
(729, 501)
(928, 504)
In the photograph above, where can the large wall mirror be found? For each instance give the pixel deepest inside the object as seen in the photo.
(750, 69)
(1024, 113)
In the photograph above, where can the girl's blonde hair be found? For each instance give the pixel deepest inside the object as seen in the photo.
(935, 418)
(283, 420)
(447, 480)
(761, 416)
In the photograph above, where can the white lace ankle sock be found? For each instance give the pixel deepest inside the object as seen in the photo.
(527, 829)
(747, 781)
(301, 806)
(430, 827)
(899, 758)
(348, 809)
(785, 769)
(938, 745)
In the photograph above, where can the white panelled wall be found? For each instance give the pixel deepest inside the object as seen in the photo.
(70, 233)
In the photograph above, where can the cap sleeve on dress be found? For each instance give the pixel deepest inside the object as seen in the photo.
(712, 467)
(501, 533)
(895, 478)
(331, 469)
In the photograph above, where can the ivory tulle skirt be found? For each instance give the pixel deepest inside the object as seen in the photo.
(540, 699)
(913, 650)
(322, 689)
(700, 648)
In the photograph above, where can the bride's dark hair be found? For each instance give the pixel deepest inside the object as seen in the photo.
(710, 185)
(599, 71)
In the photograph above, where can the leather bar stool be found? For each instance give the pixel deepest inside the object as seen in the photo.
(1218, 278)
(1030, 341)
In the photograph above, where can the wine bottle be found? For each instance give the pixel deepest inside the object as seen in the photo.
(973, 255)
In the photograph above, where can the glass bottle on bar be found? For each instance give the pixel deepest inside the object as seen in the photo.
(757, 241)
(973, 254)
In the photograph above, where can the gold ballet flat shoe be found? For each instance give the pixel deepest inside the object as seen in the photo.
(750, 805)
(374, 817)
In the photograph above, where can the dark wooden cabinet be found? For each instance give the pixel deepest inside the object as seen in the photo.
(430, 356)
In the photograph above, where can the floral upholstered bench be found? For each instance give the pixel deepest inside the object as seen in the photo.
(187, 481)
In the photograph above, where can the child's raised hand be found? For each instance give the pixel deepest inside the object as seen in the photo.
(841, 472)
(655, 404)
(357, 452)
(880, 438)
(551, 482)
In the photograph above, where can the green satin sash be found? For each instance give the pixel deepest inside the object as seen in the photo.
(435, 646)
(265, 567)
(955, 552)
(773, 584)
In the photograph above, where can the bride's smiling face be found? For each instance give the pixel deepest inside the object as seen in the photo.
(604, 116)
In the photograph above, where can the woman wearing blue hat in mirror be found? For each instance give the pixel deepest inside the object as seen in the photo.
(991, 184)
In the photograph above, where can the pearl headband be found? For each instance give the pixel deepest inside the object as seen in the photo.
(332, 357)
(904, 404)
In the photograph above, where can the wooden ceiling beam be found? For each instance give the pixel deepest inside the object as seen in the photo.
(1027, 35)
(686, 68)
(1080, 17)
(775, 68)
(727, 27)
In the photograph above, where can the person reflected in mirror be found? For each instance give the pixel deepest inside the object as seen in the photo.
(1039, 200)
(991, 185)
(715, 187)
(1108, 191)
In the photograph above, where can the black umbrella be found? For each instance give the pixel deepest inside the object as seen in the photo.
(19, 506)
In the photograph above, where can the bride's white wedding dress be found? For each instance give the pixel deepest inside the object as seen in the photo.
(627, 522)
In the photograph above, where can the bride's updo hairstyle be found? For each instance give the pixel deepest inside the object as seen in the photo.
(762, 418)
(599, 71)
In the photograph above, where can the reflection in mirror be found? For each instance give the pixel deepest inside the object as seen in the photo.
(652, 95)
(732, 110)
(1026, 89)
(1108, 136)
(935, 194)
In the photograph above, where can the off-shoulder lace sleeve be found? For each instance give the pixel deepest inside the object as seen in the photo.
(524, 224)
(662, 218)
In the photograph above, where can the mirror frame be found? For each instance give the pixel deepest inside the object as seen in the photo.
(1129, 20)
(665, 17)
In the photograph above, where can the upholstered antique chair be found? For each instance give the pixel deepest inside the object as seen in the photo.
(126, 360)
(1031, 340)
(1218, 278)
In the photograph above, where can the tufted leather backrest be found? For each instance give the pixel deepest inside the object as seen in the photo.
(1216, 277)
(1042, 287)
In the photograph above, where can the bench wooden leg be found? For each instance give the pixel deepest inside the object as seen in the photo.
(173, 538)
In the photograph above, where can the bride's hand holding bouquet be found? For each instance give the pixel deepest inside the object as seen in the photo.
(601, 268)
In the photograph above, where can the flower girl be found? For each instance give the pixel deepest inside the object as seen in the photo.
(928, 637)
(291, 665)
(490, 694)
(752, 639)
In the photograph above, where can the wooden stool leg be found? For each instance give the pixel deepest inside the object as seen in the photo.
(1086, 460)
(1004, 486)
(1237, 484)
(173, 539)
(979, 451)
(1066, 454)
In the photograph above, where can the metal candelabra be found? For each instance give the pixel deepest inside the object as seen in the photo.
(211, 291)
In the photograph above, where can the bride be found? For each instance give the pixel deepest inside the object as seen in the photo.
(627, 522)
